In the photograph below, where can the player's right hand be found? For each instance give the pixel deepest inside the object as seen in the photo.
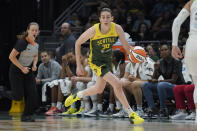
(25, 70)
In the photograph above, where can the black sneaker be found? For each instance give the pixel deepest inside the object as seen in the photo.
(27, 119)
(107, 113)
(152, 113)
(163, 113)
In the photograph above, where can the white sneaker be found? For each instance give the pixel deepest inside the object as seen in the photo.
(120, 114)
(92, 112)
(180, 116)
(191, 116)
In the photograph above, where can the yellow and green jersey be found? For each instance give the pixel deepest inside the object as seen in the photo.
(101, 47)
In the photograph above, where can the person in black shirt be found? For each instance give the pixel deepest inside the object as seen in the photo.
(171, 70)
(24, 58)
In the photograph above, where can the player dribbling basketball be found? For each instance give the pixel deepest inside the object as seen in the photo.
(102, 36)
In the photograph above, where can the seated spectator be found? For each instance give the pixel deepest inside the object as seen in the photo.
(151, 53)
(162, 26)
(170, 69)
(143, 33)
(180, 93)
(79, 83)
(48, 71)
(141, 19)
(68, 71)
(135, 75)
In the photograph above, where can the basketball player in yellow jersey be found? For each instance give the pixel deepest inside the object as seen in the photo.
(102, 36)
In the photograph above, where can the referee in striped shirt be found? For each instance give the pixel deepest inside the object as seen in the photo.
(24, 58)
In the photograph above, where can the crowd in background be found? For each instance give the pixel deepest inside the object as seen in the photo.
(144, 21)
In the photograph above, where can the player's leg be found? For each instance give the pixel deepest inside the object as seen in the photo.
(97, 89)
(118, 90)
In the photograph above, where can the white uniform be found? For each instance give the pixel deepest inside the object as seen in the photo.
(185, 73)
(191, 47)
(146, 69)
(132, 69)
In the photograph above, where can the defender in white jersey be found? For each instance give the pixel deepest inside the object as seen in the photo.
(190, 9)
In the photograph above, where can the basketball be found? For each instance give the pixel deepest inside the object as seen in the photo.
(137, 54)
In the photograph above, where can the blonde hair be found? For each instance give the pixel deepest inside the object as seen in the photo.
(24, 33)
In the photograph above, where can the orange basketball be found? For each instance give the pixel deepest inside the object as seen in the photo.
(137, 54)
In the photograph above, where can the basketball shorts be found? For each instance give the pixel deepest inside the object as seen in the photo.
(100, 69)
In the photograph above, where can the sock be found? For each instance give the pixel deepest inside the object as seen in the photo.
(100, 107)
(82, 104)
(94, 107)
(59, 105)
(87, 106)
(118, 105)
(129, 110)
(80, 94)
(139, 107)
(53, 104)
(111, 107)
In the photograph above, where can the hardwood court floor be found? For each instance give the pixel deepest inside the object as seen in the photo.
(58, 123)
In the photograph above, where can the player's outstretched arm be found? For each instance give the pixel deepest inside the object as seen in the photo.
(89, 33)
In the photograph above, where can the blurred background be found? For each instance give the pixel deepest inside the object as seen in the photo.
(146, 21)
